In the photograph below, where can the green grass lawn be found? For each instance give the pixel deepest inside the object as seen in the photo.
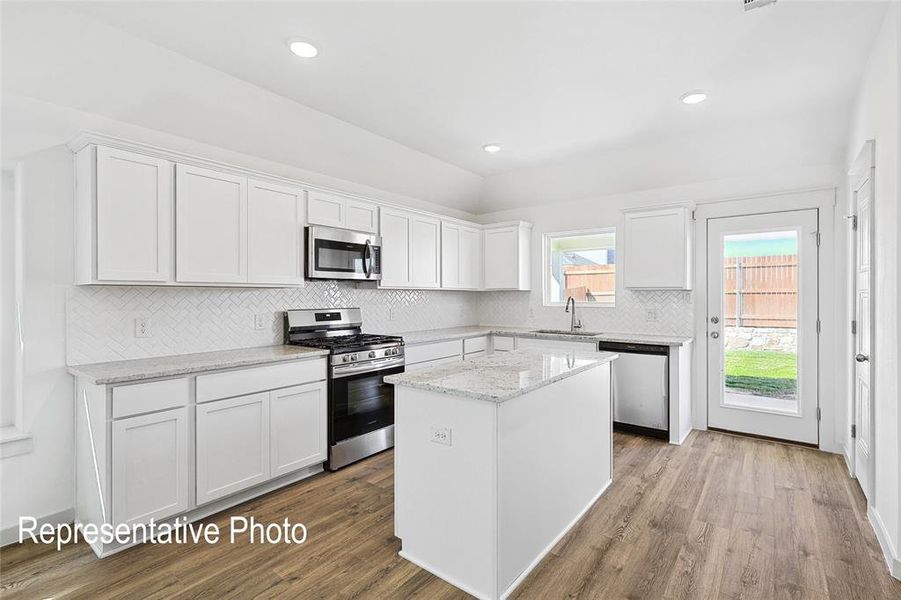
(763, 373)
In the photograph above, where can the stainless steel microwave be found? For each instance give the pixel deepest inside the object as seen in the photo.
(343, 254)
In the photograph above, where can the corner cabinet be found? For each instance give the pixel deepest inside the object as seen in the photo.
(508, 256)
(657, 248)
(411, 249)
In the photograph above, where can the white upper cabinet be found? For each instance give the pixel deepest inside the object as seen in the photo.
(275, 217)
(461, 256)
(507, 256)
(334, 210)
(124, 217)
(210, 226)
(411, 249)
(657, 248)
(425, 252)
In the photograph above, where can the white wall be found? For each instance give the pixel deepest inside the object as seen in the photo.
(41, 483)
(876, 116)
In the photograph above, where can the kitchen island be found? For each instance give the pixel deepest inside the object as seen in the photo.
(496, 458)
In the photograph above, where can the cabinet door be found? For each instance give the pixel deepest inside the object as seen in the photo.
(274, 233)
(425, 252)
(298, 427)
(501, 258)
(362, 216)
(657, 249)
(134, 216)
(150, 466)
(470, 258)
(326, 209)
(395, 233)
(232, 445)
(450, 255)
(210, 226)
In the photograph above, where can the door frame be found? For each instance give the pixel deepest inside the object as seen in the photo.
(863, 169)
(824, 199)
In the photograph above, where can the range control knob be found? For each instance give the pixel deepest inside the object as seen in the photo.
(371, 354)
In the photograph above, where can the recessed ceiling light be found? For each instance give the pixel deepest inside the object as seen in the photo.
(694, 97)
(303, 49)
(492, 148)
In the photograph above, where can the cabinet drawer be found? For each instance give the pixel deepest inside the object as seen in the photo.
(248, 381)
(504, 343)
(478, 344)
(140, 398)
(472, 355)
(424, 352)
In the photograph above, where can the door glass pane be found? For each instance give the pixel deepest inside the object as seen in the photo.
(760, 287)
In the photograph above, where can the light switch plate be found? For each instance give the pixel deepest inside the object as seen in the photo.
(258, 322)
(442, 435)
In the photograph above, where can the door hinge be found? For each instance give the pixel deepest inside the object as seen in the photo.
(819, 238)
(693, 217)
(819, 413)
(854, 327)
(852, 219)
(819, 326)
(853, 431)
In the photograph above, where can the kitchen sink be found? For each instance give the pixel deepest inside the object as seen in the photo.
(566, 332)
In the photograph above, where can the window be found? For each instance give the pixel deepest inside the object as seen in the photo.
(581, 264)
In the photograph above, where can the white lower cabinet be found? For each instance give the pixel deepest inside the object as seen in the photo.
(150, 466)
(297, 433)
(232, 445)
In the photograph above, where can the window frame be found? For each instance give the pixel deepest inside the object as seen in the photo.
(546, 240)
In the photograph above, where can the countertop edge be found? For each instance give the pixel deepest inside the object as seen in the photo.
(500, 398)
(78, 371)
(505, 332)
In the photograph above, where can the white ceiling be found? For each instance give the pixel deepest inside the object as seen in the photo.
(545, 80)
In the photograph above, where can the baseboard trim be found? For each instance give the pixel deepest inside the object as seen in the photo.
(438, 573)
(10, 535)
(846, 454)
(885, 542)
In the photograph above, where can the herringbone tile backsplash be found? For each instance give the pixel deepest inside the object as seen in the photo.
(101, 319)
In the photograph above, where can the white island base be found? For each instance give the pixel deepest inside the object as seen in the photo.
(484, 489)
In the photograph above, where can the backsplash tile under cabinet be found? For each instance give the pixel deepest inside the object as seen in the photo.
(101, 319)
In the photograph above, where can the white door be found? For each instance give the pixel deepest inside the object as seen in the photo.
(762, 325)
(450, 256)
(395, 233)
(362, 216)
(298, 427)
(501, 258)
(862, 178)
(134, 216)
(274, 233)
(210, 226)
(470, 258)
(232, 445)
(150, 466)
(425, 252)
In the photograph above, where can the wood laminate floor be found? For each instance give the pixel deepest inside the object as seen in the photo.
(719, 517)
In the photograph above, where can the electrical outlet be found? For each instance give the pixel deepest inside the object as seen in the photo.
(258, 322)
(142, 327)
(441, 435)
(651, 315)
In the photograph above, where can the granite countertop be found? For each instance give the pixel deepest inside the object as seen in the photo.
(122, 371)
(411, 338)
(501, 376)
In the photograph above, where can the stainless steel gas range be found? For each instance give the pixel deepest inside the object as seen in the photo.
(360, 403)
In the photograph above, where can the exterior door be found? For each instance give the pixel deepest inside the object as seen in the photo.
(762, 322)
(863, 423)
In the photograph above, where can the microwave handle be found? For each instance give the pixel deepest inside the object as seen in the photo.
(367, 256)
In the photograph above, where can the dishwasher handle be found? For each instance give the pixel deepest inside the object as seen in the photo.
(633, 348)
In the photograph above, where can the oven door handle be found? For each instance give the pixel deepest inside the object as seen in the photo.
(367, 256)
(340, 371)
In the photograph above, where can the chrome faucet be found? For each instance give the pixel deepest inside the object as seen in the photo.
(573, 324)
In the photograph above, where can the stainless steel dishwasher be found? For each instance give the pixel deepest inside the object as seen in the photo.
(640, 388)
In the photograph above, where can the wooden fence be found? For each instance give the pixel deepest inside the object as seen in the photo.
(761, 291)
(589, 282)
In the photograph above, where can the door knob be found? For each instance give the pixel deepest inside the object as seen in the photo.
(715, 334)
(861, 358)
(714, 320)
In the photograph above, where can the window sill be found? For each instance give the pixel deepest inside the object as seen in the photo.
(14, 442)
